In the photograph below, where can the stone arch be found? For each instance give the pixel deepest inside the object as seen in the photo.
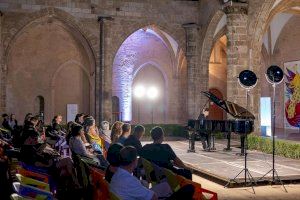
(11, 32)
(86, 73)
(133, 61)
(68, 20)
(208, 41)
(220, 34)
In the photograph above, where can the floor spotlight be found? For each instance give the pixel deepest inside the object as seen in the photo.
(139, 91)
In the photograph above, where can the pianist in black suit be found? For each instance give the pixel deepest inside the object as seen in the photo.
(204, 135)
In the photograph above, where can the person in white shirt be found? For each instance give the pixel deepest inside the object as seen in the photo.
(124, 184)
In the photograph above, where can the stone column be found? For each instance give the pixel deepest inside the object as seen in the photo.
(100, 96)
(237, 50)
(193, 74)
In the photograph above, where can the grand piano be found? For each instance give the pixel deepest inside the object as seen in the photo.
(242, 122)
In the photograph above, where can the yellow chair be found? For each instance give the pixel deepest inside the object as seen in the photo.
(32, 182)
(172, 179)
(15, 196)
(148, 169)
(113, 196)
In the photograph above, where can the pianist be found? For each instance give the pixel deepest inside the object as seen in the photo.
(204, 136)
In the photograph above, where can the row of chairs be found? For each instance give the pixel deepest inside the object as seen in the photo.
(92, 178)
(32, 183)
(153, 174)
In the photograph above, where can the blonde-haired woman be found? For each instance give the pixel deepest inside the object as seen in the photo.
(116, 131)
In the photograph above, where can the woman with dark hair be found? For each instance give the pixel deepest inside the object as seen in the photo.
(13, 123)
(27, 118)
(113, 157)
(56, 124)
(76, 144)
(79, 118)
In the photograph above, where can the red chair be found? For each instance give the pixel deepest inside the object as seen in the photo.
(199, 191)
(100, 186)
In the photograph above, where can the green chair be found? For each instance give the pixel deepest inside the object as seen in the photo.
(172, 179)
(32, 182)
(15, 196)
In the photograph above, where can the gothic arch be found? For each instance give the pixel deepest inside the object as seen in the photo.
(86, 73)
(208, 41)
(11, 32)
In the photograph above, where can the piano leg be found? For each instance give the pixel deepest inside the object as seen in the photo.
(191, 142)
(228, 142)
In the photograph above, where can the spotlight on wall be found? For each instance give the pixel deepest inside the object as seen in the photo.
(139, 91)
(247, 79)
(274, 74)
(152, 93)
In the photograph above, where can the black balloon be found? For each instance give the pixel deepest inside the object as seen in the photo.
(274, 74)
(247, 78)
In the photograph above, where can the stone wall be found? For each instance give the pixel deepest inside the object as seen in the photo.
(80, 19)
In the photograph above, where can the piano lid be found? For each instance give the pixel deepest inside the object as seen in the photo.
(233, 109)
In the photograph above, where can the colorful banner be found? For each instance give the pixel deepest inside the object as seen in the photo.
(292, 94)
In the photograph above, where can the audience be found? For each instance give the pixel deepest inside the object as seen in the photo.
(163, 155)
(85, 140)
(135, 137)
(116, 131)
(124, 184)
(113, 157)
(5, 122)
(56, 125)
(126, 129)
(79, 118)
(27, 118)
(76, 144)
(13, 123)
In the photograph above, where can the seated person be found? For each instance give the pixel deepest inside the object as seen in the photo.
(163, 155)
(113, 157)
(40, 155)
(124, 184)
(76, 144)
(134, 138)
(126, 129)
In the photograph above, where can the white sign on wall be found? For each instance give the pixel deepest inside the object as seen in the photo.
(72, 110)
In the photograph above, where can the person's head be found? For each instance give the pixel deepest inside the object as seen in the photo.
(28, 116)
(205, 112)
(138, 131)
(79, 118)
(34, 120)
(105, 125)
(88, 123)
(116, 131)
(128, 158)
(5, 116)
(113, 154)
(77, 130)
(12, 116)
(57, 119)
(70, 124)
(157, 134)
(126, 129)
